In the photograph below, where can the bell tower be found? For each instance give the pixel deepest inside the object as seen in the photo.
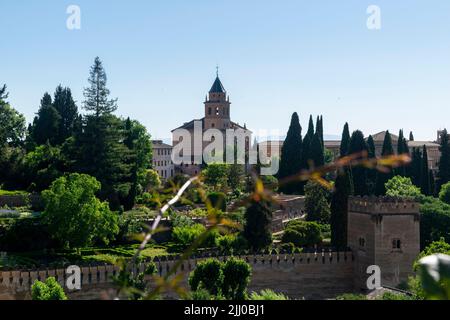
(217, 107)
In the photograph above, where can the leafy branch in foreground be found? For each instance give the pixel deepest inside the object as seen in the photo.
(217, 220)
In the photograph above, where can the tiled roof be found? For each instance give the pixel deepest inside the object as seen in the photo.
(217, 87)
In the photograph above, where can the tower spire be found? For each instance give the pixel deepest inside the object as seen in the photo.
(217, 71)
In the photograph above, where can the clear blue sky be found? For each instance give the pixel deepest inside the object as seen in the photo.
(275, 57)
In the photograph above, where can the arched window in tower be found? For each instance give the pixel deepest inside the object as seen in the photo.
(217, 111)
(209, 111)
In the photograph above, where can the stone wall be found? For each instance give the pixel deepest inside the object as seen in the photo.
(14, 201)
(309, 275)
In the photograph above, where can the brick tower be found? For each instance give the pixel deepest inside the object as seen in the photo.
(217, 107)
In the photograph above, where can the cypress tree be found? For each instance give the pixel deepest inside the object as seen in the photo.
(432, 184)
(258, 218)
(46, 123)
(416, 167)
(371, 173)
(358, 173)
(400, 144)
(371, 147)
(383, 177)
(290, 162)
(339, 208)
(68, 111)
(425, 173)
(317, 155)
(345, 141)
(307, 156)
(411, 136)
(444, 163)
(319, 129)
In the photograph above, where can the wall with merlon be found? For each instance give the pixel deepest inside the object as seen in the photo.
(309, 275)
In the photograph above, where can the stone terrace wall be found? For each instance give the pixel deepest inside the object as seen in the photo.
(309, 275)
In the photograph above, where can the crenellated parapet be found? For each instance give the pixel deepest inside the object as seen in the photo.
(269, 264)
(383, 205)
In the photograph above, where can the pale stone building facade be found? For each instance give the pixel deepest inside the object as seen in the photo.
(274, 147)
(162, 159)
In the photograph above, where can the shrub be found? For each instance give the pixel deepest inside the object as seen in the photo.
(236, 277)
(302, 233)
(394, 296)
(228, 279)
(444, 194)
(434, 221)
(48, 290)
(400, 186)
(351, 296)
(207, 275)
(435, 247)
(268, 295)
(186, 235)
(218, 200)
(232, 242)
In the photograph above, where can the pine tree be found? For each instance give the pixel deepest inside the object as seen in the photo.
(3, 94)
(358, 173)
(345, 141)
(290, 162)
(425, 173)
(383, 177)
(68, 111)
(339, 211)
(46, 124)
(97, 95)
(444, 162)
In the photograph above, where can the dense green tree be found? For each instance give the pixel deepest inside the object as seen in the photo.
(444, 162)
(432, 183)
(216, 175)
(444, 194)
(425, 186)
(50, 289)
(100, 152)
(290, 162)
(317, 151)
(97, 94)
(12, 125)
(358, 146)
(316, 204)
(68, 112)
(383, 177)
(411, 136)
(371, 173)
(75, 217)
(339, 210)
(319, 129)
(400, 186)
(402, 148)
(345, 141)
(138, 142)
(258, 217)
(42, 166)
(46, 124)
(416, 167)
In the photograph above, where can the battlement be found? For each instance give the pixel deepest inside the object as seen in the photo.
(315, 263)
(383, 205)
